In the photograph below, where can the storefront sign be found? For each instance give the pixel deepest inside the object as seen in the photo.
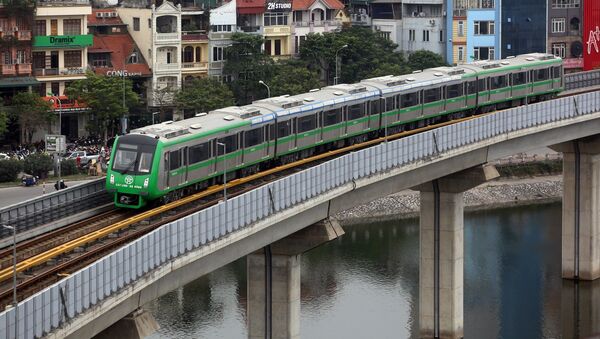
(55, 143)
(591, 35)
(279, 5)
(123, 73)
(54, 41)
(573, 63)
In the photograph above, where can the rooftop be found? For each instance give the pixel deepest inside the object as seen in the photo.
(120, 46)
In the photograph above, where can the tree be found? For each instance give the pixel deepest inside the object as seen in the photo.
(365, 54)
(423, 59)
(3, 122)
(247, 64)
(32, 112)
(104, 96)
(293, 77)
(203, 95)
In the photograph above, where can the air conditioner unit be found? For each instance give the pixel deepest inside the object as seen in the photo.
(422, 14)
(98, 14)
(432, 22)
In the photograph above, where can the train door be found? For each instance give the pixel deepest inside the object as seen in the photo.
(185, 157)
(373, 122)
(177, 170)
(227, 150)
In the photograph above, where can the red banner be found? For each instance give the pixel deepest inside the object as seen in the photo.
(591, 35)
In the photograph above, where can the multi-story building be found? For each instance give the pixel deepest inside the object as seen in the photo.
(115, 54)
(278, 28)
(474, 31)
(565, 32)
(386, 19)
(523, 27)
(60, 44)
(15, 49)
(423, 26)
(222, 25)
(314, 16)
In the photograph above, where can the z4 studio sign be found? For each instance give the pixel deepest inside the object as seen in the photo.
(278, 6)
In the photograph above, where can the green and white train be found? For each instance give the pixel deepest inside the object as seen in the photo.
(162, 162)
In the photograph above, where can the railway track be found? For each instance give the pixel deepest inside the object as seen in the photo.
(49, 261)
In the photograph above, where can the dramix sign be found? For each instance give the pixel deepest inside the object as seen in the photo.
(58, 41)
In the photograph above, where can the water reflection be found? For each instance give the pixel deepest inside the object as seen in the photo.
(367, 282)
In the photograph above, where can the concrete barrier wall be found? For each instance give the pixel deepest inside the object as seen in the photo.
(582, 80)
(62, 302)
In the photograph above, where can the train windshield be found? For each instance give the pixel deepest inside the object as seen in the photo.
(133, 159)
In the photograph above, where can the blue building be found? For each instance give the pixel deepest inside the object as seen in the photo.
(523, 27)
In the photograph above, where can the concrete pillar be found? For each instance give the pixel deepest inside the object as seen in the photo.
(442, 252)
(581, 208)
(136, 325)
(274, 282)
(580, 309)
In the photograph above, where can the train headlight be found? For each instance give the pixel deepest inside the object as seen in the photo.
(112, 179)
(146, 182)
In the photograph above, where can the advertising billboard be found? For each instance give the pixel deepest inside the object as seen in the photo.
(591, 34)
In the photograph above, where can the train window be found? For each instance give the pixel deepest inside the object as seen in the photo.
(307, 123)
(390, 104)
(409, 100)
(253, 137)
(454, 91)
(374, 107)
(472, 87)
(174, 160)
(481, 85)
(431, 95)
(356, 111)
(145, 162)
(556, 72)
(199, 153)
(541, 74)
(332, 117)
(519, 78)
(284, 128)
(498, 82)
(271, 131)
(231, 143)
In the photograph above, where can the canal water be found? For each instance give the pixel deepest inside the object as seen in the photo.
(365, 285)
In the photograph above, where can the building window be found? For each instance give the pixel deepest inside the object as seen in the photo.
(149, 23)
(461, 28)
(425, 35)
(72, 58)
(221, 28)
(100, 60)
(277, 47)
(484, 27)
(53, 27)
(55, 88)
(483, 53)
(441, 35)
(385, 35)
(566, 3)
(6, 58)
(574, 23)
(276, 19)
(558, 25)
(412, 35)
(559, 49)
(461, 53)
(218, 54)
(21, 56)
(40, 27)
(72, 26)
(136, 24)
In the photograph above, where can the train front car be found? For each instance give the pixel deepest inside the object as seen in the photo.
(130, 177)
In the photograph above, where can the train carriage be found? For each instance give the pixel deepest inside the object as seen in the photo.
(165, 161)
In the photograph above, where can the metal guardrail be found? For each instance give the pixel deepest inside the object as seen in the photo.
(59, 304)
(582, 80)
(53, 206)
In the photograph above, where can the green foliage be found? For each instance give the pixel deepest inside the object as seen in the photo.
(38, 164)
(32, 113)
(247, 64)
(367, 54)
(9, 169)
(531, 169)
(3, 122)
(423, 59)
(203, 95)
(68, 167)
(293, 77)
(104, 96)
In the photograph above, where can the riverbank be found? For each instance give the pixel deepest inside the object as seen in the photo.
(500, 193)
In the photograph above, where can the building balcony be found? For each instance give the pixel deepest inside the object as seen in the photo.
(277, 30)
(23, 35)
(251, 29)
(172, 67)
(24, 69)
(360, 19)
(43, 3)
(319, 26)
(167, 37)
(194, 36)
(8, 69)
(69, 71)
(194, 66)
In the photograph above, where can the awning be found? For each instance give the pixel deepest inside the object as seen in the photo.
(251, 10)
(18, 82)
